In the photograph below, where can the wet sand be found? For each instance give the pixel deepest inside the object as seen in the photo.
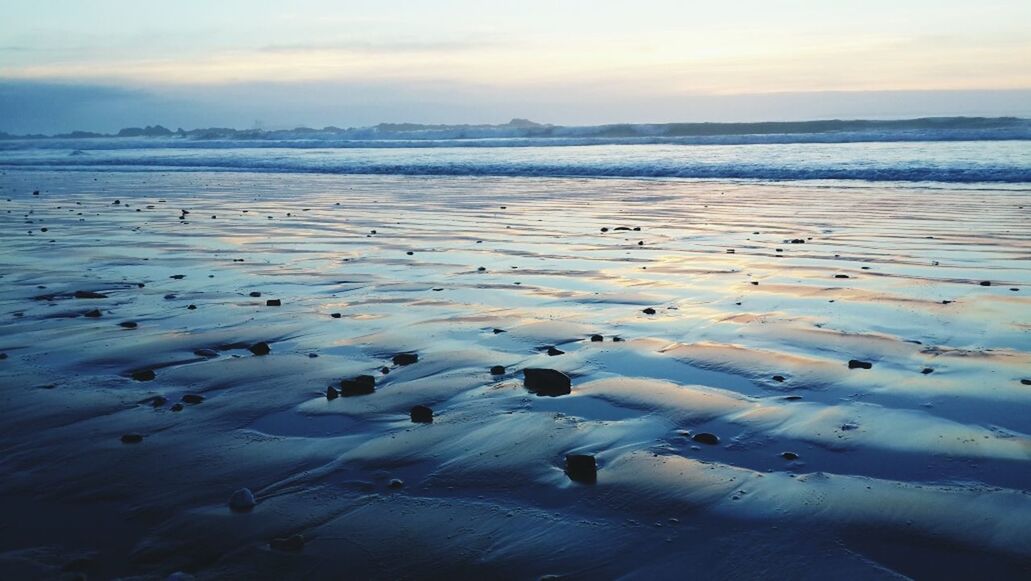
(737, 307)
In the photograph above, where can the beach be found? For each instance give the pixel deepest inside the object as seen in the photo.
(793, 379)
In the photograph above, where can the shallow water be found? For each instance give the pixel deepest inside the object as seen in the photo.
(899, 472)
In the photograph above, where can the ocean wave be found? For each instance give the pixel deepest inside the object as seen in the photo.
(983, 173)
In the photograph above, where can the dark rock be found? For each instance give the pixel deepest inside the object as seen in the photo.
(621, 228)
(597, 338)
(178, 276)
(649, 311)
(396, 483)
(131, 438)
(405, 358)
(79, 294)
(242, 500)
(789, 456)
(604, 229)
(482, 269)
(1025, 381)
(291, 544)
(261, 348)
(192, 398)
(176, 407)
(273, 303)
(92, 314)
(255, 294)
(497, 370)
(792, 397)
(143, 375)
(797, 241)
(857, 364)
(421, 414)
(332, 393)
(548, 382)
(361, 385)
(840, 276)
(581, 468)
(552, 351)
(335, 315)
(155, 401)
(384, 370)
(191, 307)
(128, 324)
(778, 378)
(986, 283)
(706, 438)
(499, 331)
(169, 297)
(206, 353)
(927, 370)
(617, 339)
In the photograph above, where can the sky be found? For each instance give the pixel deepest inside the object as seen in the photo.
(105, 64)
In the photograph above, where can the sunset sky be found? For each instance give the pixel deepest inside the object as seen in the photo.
(103, 64)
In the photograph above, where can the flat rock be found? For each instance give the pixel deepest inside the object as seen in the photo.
(143, 375)
(260, 348)
(581, 468)
(421, 414)
(857, 364)
(706, 438)
(547, 382)
(405, 358)
(361, 385)
(242, 500)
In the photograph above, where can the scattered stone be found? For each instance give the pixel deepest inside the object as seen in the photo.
(778, 378)
(499, 331)
(192, 398)
(155, 401)
(128, 324)
(547, 382)
(332, 393)
(421, 414)
(848, 427)
(291, 544)
(178, 276)
(95, 313)
(384, 370)
(597, 338)
(143, 375)
(255, 294)
(857, 364)
(1025, 381)
(396, 483)
(261, 348)
(482, 269)
(927, 371)
(797, 241)
(604, 229)
(706, 438)
(169, 297)
(405, 358)
(649, 311)
(986, 283)
(497, 370)
(581, 468)
(191, 307)
(361, 385)
(620, 228)
(131, 438)
(273, 303)
(789, 456)
(840, 276)
(176, 407)
(242, 500)
(552, 351)
(335, 315)
(206, 353)
(79, 294)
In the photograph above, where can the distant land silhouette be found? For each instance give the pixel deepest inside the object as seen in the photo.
(1009, 128)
